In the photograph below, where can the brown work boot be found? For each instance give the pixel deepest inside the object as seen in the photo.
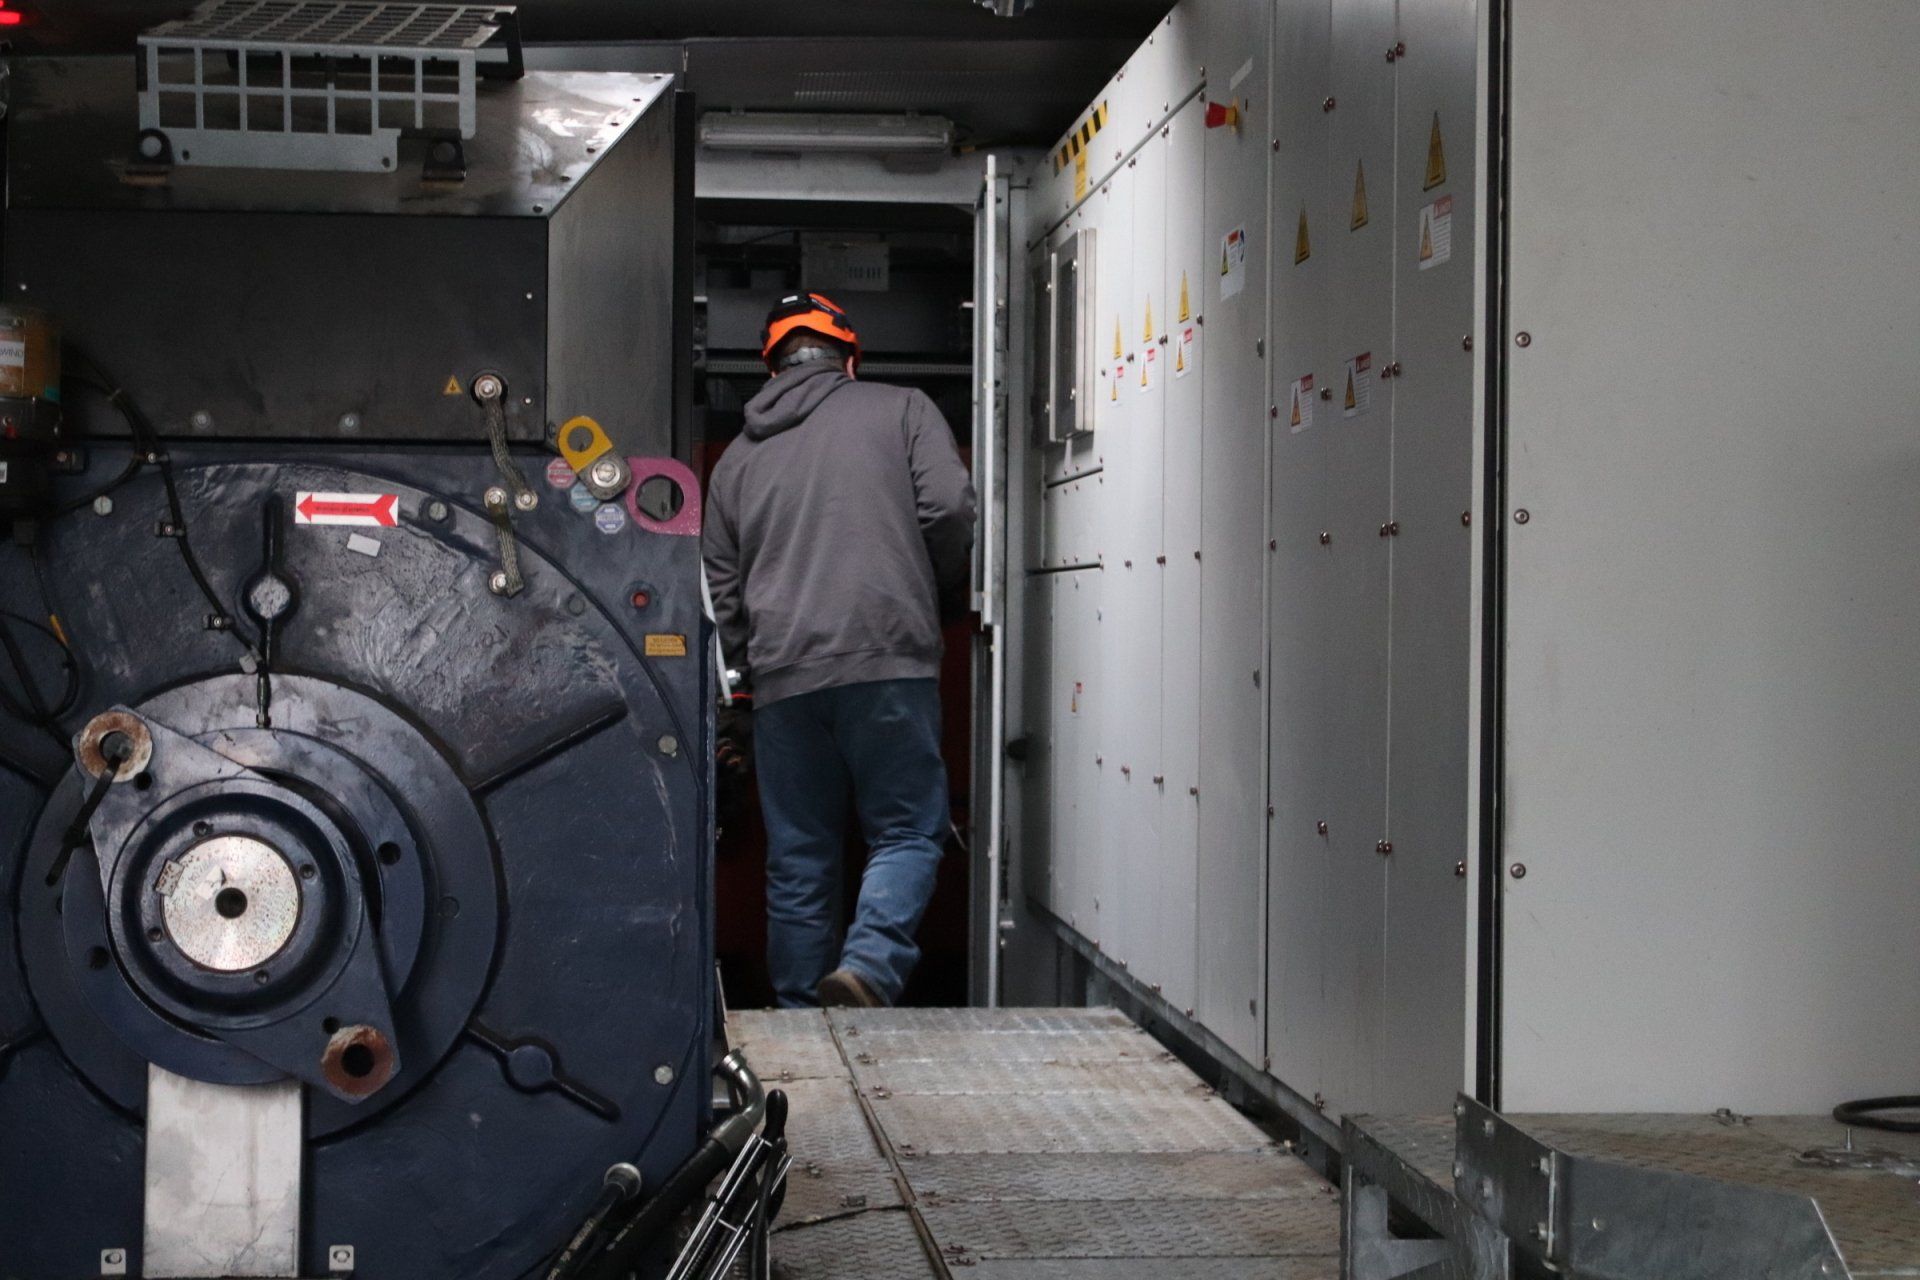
(845, 989)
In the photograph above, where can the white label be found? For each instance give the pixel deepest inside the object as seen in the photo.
(13, 353)
(1183, 352)
(3, 473)
(1149, 362)
(1300, 405)
(1357, 397)
(1436, 232)
(377, 510)
(363, 544)
(1233, 262)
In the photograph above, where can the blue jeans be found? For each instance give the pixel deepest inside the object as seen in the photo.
(881, 742)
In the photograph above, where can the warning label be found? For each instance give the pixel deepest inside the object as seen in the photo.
(451, 387)
(1147, 330)
(559, 474)
(1302, 243)
(1358, 397)
(378, 510)
(1233, 262)
(1080, 176)
(1186, 312)
(1183, 352)
(1113, 384)
(1117, 349)
(1436, 157)
(13, 353)
(666, 646)
(1359, 196)
(1149, 367)
(1300, 405)
(1436, 232)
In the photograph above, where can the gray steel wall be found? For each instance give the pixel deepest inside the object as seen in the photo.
(1714, 716)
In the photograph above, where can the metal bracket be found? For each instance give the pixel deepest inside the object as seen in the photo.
(1606, 1221)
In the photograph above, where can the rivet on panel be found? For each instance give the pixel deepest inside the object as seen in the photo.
(1523, 339)
(1320, 827)
(1329, 104)
(1460, 869)
(1466, 342)
(1466, 519)
(1518, 871)
(1522, 516)
(1325, 537)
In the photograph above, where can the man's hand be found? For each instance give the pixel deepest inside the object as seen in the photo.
(733, 737)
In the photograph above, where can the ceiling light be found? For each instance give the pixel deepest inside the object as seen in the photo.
(798, 131)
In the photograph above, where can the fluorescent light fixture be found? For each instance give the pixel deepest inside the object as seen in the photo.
(817, 131)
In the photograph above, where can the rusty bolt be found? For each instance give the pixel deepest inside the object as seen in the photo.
(358, 1060)
(1518, 871)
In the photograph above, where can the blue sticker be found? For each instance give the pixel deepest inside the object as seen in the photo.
(610, 519)
(582, 500)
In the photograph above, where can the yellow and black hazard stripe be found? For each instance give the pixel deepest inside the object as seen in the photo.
(1081, 137)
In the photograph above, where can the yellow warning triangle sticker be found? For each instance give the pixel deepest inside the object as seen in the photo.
(1350, 400)
(1180, 358)
(1116, 338)
(1436, 157)
(1148, 335)
(452, 388)
(1296, 406)
(1114, 389)
(1302, 246)
(1359, 196)
(1224, 269)
(1426, 238)
(1143, 373)
(1186, 312)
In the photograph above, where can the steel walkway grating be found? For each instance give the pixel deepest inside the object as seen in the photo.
(1023, 1144)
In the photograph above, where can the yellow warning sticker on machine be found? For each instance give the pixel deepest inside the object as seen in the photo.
(1118, 350)
(1300, 405)
(1080, 175)
(452, 388)
(666, 646)
(1183, 352)
(1302, 243)
(1186, 311)
(1149, 358)
(1146, 334)
(1359, 195)
(1233, 262)
(1436, 157)
(1359, 394)
(1436, 232)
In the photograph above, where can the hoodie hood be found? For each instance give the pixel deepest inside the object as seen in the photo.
(789, 397)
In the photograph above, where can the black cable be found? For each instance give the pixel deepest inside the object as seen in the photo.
(114, 752)
(1862, 1113)
(146, 440)
(35, 710)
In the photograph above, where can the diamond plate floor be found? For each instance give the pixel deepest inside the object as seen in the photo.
(1022, 1144)
(1873, 1213)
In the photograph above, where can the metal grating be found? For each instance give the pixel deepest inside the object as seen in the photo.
(1064, 1122)
(1158, 1228)
(311, 84)
(1193, 1175)
(352, 26)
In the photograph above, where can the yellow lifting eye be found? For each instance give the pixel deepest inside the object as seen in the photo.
(581, 441)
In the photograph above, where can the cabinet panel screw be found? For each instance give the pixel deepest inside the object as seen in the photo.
(1460, 869)
(1523, 339)
(1518, 871)
(1329, 104)
(1522, 516)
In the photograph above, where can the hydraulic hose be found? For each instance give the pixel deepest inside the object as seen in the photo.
(1864, 1113)
(636, 1238)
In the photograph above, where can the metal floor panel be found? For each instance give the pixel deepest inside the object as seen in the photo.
(1030, 1145)
(1205, 1175)
(1874, 1214)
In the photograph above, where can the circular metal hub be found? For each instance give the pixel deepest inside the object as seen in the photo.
(229, 903)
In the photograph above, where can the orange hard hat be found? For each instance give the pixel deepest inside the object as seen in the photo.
(810, 311)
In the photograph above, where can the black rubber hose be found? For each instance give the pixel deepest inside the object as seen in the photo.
(1863, 1113)
(624, 1253)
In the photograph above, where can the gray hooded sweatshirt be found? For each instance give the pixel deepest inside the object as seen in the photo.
(837, 527)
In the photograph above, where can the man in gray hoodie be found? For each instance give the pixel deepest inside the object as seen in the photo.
(838, 527)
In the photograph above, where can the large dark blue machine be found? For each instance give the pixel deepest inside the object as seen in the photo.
(356, 698)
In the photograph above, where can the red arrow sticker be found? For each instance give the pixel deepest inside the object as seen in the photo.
(379, 510)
